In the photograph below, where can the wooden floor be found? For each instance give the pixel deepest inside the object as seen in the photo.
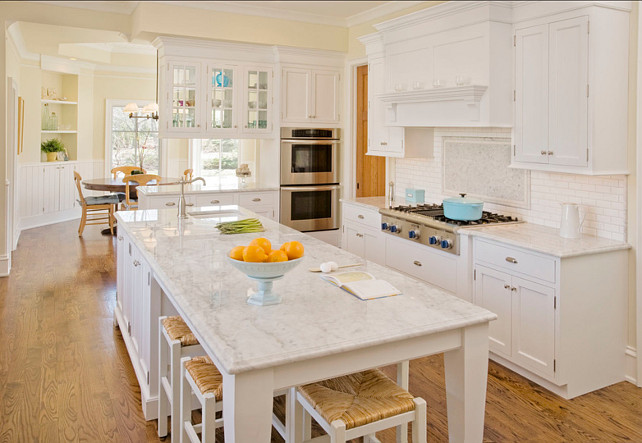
(65, 374)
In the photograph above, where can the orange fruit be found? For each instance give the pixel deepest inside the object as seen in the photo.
(277, 255)
(284, 245)
(254, 253)
(262, 242)
(237, 253)
(294, 249)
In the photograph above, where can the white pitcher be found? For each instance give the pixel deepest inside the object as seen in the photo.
(571, 223)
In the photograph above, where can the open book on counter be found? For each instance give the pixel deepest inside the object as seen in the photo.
(362, 285)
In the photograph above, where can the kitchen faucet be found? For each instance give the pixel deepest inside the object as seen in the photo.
(181, 199)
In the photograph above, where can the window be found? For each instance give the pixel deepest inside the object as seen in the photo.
(131, 141)
(216, 158)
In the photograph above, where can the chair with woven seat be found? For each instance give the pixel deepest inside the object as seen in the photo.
(95, 210)
(141, 179)
(188, 174)
(358, 405)
(176, 341)
(125, 170)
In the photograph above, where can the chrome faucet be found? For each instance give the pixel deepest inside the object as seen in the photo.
(181, 199)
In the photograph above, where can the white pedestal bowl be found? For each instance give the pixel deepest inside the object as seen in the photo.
(265, 274)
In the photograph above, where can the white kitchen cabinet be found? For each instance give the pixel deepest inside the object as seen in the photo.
(571, 89)
(181, 98)
(310, 95)
(560, 320)
(361, 232)
(263, 203)
(59, 188)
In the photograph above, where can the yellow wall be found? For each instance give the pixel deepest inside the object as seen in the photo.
(30, 80)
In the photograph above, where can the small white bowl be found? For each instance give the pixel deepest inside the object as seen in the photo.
(265, 274)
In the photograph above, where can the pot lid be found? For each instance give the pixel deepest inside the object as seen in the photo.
(463, 200)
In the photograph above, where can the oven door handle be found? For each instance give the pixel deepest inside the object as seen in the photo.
(311, 188)
(315, 141)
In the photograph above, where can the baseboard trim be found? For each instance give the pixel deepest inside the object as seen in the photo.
(37, 221)
(631, 365)
(5, 265)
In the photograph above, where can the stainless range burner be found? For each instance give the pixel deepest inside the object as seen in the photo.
(427, 224)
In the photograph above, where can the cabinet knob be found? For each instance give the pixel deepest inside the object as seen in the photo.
(550, 152)
(360, 216)
(506, 286)
(417, 263)
(384, 143)
(170, 204)
(214, 202)
(136, 263)
(543, 152)
(198, 126)
(120, 238)
(513, 289)
(256, 199)
(309, 116)
(511, 260)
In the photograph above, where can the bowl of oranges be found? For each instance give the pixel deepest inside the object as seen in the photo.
(265, 265)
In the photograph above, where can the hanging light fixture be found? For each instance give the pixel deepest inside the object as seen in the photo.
(150, 110)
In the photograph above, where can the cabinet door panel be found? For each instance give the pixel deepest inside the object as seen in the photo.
(326, 97)
(567, 94)
(223, 82)
(182, 102)
(493, 292)
(257, 117)
(296, 97)
(531, 94)
(534, 327)
(376, 112)
(67, 188)
(353, 241)
(374, 247)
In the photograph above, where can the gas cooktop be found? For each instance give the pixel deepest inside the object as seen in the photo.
(427, 224)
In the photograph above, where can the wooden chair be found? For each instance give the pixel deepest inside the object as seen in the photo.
(95, 210)
(141, 179)
(176, 341)
(188, 174)
(357, 405)
(126, 170)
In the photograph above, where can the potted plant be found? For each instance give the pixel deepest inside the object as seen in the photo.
(52, 147)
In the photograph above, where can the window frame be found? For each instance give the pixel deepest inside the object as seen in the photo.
(111, 103)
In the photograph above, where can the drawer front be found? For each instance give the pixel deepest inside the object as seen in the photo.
(253, 199)
(168, 202)
(228, 198)
(359, 214)
(515, 260)
(435, 267)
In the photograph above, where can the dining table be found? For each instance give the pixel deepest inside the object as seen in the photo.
(111, 184)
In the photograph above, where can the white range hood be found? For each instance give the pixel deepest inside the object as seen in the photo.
(448, 65)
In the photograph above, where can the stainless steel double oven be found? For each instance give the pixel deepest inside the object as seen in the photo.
(310, 178)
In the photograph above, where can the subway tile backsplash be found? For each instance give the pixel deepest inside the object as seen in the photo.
(602, 197)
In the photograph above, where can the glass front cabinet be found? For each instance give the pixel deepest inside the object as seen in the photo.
(216, 99)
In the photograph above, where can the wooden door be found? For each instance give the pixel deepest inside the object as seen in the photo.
(531, 94)
(371, 170)
(568, 92)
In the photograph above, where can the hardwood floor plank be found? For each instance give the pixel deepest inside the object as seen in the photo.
(65, 374)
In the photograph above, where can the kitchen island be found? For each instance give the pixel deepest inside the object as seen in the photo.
(317, 332)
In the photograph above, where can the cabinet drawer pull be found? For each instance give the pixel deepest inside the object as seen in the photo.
(506, 286)
(417, 263)
(511, 260)
(170, 204)
(256, 199)
(384, 143)
(513, 288)
(550, 152)
(360, 216)
(136, 263)
(215, 202)
(543, 152)
(189, 204)
(359, 235)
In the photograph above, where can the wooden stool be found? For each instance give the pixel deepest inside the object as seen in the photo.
(358, 405)
(200, 375)
(175, 337)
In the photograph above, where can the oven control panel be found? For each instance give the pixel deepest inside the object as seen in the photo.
(418, 233)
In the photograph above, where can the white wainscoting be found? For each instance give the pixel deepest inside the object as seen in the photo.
(47, 193)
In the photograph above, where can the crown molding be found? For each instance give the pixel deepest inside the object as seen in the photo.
(380, 11)
(18, 41)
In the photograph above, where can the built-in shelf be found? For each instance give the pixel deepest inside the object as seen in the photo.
(58, 132)
(57, 102)
(469, 93)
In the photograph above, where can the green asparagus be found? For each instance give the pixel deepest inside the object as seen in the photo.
(241, 227)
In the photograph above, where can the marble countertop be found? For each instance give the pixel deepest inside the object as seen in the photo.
(545, 240)
(198, 188)
(368, 202)
(189, 259)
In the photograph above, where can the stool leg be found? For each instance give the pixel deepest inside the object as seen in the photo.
(163, 410)
(293, 418)
(185, 405)
(403, 376)
(339, 434)
(419, 425)
(209, 419)
(175, 356)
